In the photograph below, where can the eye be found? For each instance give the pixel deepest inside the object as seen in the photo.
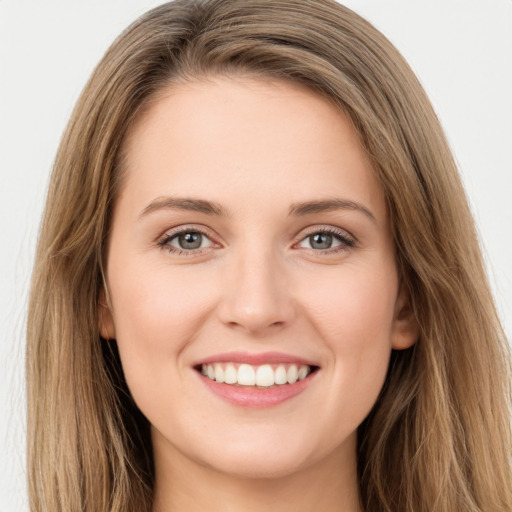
(185, 241)
(327, 240)
(189, 241)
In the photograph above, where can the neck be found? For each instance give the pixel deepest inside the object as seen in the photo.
(182, 485)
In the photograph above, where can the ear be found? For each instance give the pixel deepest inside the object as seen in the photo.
(406, 329)
(105, 319)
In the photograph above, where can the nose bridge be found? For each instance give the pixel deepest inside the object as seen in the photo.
(256, 296)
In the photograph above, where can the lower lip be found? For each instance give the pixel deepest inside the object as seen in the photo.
(254, 397)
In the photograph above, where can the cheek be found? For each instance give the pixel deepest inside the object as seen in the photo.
(157, 313)
(353, 312)
(353, 307)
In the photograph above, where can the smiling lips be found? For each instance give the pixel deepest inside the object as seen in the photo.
(265, 375)
(255, 380)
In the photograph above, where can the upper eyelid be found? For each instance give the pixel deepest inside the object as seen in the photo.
(172, 232)
(319, 228)
(305, 232)
(164, 241)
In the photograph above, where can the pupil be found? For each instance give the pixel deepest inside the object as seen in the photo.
(320, 241)
(190, 240)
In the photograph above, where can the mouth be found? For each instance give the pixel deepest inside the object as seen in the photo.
(258, 381)
(263, 376)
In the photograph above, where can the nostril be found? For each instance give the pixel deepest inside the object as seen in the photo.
(255, 303)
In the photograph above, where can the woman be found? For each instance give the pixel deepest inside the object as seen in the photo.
(258, 282)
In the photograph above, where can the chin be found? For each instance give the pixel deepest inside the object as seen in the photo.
(267, 458)
(258, 467)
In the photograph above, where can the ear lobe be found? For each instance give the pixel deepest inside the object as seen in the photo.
(105, 319)
(406, 329)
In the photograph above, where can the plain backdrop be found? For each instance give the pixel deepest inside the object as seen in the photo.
(460, 49)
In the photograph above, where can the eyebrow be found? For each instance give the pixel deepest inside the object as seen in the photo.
(328, 205)
(212, 208)
(182, 203)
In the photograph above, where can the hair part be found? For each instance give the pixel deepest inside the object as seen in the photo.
(439, 436)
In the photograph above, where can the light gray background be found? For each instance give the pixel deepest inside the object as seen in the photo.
(461, 50)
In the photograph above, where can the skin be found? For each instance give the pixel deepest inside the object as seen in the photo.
(255, 148)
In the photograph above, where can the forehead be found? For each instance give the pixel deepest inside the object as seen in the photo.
(267, 140)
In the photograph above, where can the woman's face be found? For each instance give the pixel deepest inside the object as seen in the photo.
(251, 242)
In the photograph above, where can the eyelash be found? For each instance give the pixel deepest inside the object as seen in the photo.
(164, 242)
(347, 241)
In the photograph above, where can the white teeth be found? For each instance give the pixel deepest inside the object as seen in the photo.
(280, 375)
(263, 376)
(219, 373)
(292, 374)
(230, 374)
(303, 372)
(246, 375)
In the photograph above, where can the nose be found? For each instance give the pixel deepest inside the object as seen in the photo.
(256, 298)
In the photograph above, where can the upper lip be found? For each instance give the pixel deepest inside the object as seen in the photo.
(255, 359)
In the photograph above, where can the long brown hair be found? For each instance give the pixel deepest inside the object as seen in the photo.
(439, 436)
